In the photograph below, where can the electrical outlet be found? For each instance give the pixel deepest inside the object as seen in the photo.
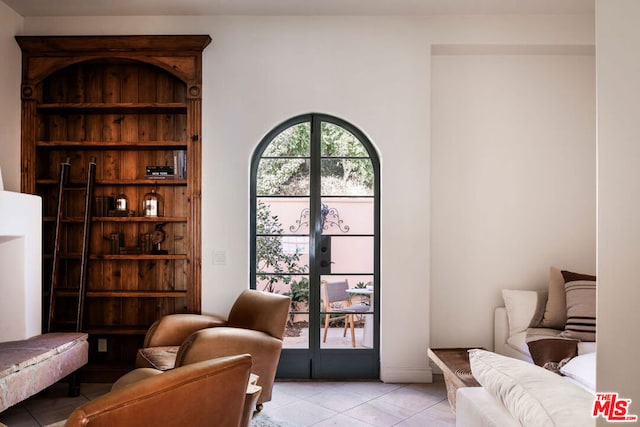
(102, 345)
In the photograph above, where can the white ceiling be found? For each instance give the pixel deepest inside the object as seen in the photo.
(28, 8)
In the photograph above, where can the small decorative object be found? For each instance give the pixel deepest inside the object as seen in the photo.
(151, 204)
(103, 204)
(146, 243)
(122, 203)
(157, 238)
(116, 242)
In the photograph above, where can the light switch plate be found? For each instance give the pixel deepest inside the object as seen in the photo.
(219, 257)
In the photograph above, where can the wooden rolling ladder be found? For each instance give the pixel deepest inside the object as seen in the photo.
(56, 321)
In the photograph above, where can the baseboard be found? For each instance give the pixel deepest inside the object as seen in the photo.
(392, 374)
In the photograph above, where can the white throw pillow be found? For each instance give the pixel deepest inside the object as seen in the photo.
(533, 395)
(524, 308)
(582, 369)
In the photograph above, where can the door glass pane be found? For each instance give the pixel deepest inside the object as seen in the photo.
(351, 255)
(296, 333)
(338, 142)
(346, 313)
(283, 215)
(291, 142)
(352, 215)
(281, 255)
(346, 177)
(283, 177)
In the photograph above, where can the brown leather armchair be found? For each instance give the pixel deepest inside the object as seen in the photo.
(208, 393)
(255, 325)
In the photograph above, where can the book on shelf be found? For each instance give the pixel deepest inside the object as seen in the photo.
(160, 172)
(180, 163)
(176, 171)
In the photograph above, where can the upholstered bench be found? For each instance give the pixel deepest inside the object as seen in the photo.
(29, 366)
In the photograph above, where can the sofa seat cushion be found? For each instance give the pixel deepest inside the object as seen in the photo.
(518, 342)
(534, 396)
(162, 358)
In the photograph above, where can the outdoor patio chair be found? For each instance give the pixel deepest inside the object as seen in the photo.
(336, 300)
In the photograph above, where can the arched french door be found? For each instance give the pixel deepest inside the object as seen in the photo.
(315, 220)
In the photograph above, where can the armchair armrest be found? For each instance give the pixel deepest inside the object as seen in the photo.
(175, 328)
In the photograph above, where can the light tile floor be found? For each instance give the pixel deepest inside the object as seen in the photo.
(294, 403)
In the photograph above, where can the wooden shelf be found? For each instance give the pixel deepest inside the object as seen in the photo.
(113, 145)
(164, 219)
(140, 257)
(124, 219)
(128, 257)
(136, 294)
(121, 107)
(141, 181)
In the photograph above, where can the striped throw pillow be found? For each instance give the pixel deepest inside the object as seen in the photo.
(581, 310)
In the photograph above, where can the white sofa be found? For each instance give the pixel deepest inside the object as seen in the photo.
(518, 393)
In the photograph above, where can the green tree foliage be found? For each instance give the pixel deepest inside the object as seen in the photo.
(346, 168)
(270, 254)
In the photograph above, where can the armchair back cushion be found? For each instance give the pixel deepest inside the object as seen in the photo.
(207, 393)
(173, 330)
(260, 311)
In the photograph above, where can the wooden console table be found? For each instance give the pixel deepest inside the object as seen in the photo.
(454, 363)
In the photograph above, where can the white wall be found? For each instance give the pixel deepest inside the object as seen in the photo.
(10, 25)
(20, 264)
(373, 72)
(513, 178)
(618, 71)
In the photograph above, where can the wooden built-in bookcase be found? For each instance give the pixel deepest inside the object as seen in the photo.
(130, 102)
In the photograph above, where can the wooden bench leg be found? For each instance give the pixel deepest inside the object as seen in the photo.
(74, 384)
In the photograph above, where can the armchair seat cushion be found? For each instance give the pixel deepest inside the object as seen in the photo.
(162, 358)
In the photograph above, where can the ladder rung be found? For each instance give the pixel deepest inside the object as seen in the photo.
(66, 292)
(80, 292)
(74, 187)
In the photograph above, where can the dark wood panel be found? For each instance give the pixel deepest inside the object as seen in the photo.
(130, 102)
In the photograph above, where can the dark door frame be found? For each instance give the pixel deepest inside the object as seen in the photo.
(315, 362)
